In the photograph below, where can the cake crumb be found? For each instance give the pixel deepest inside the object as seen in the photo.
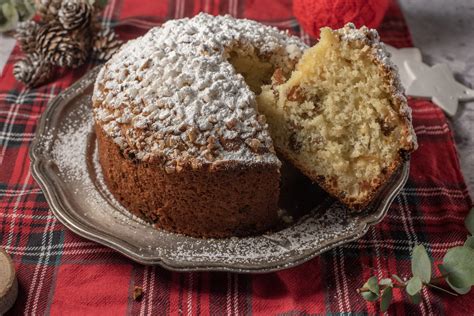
(137, 293)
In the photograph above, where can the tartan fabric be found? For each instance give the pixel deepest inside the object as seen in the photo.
(61, 273)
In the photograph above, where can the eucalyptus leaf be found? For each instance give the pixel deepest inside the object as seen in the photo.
(373, 285)
(469, 242)
(469, 221)
(10, 17)
(459, 290)
(398, 279)
(455, 279)
(421, 264)
(25, 9)
(369, 296)
(442, 289)
(415, 299)
(386, 299)
(386, 282)
(414, 285)
(460, 261)
(101, 3)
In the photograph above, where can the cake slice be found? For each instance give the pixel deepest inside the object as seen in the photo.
(341, 117)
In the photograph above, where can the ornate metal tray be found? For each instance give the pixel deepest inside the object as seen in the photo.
(64, 163)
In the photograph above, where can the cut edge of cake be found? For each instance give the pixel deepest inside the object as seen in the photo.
(342, 117)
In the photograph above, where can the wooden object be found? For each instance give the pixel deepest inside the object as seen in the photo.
(8, 282)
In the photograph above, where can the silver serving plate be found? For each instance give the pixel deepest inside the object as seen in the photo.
(64, 163)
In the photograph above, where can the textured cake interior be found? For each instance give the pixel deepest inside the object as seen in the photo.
(335, 118)
(255, 70)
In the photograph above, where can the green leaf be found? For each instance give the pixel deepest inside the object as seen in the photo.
(10, 17)
(415, 299)
(459, 261)
(442, 289)
(469, 221)
(25, 9)
(373, 285)
(369, 296)
(421, 264)
(455, 279)
(414, 285)
(386, 299)
(459, 290)
(101, 3)
(469, 242)
(398, 279)
(386, 282)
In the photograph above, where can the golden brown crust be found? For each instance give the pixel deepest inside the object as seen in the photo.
(329, 187)
(400, 105)
(214, 201)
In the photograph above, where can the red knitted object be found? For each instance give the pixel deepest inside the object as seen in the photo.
(314, 14)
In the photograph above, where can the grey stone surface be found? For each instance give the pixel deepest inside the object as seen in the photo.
(6, 46)
(444, 32)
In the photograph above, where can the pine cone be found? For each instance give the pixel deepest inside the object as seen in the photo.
(105, 44)
(26, 35)
(75, 14)
(32, 70)
(62, 47)
(48, 9)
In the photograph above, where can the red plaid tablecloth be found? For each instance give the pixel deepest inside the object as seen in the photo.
(61, 273)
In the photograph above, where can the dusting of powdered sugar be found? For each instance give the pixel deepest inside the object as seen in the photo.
(72, 139)
(172, 96)
(378, 49)
(308, 233)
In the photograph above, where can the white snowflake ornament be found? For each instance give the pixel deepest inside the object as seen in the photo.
(438, 84)
(399, 56)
